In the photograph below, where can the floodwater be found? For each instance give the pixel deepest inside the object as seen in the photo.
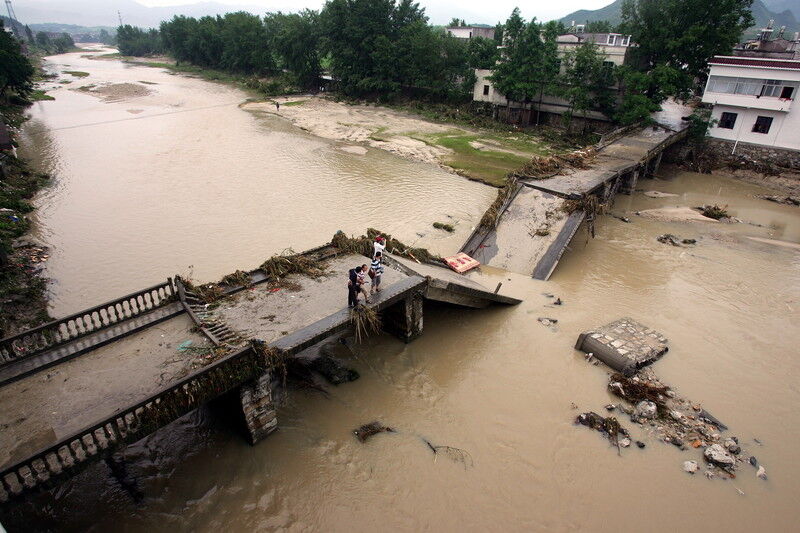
(182, 181)
(499, 385)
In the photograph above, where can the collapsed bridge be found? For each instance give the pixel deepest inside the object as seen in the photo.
(79, 388)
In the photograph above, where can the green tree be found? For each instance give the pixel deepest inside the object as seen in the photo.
(43, 41)
(29, 34)
(529, 61)
(16, 72)
(683, 34)
(133, 41)
(482, 53)
(245, 44)
(296, 40)
(586, 81)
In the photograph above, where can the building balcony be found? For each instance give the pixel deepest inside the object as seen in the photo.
(748, 101)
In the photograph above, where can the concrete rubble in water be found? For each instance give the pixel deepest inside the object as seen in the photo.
(654, 406)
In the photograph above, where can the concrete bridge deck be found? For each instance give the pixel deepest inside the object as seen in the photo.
(58, 419)
(534, 229)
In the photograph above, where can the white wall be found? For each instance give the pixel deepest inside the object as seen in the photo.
(783, 133)
(785, 129)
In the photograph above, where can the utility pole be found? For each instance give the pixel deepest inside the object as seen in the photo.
(119, 15)
(13, 17)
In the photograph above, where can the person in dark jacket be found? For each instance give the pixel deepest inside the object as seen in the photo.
(353, 286)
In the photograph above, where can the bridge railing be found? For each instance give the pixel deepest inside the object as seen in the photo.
(67, 329)
(130, 424)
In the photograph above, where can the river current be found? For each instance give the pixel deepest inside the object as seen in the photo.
(183, 181)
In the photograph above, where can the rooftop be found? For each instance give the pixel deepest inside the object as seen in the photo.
(756, 62)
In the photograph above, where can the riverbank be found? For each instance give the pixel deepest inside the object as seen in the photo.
(475, 153)
(23, 302)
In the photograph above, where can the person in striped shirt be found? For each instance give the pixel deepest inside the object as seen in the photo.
(375, 272)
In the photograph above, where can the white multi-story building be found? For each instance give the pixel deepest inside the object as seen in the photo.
(754, 100)
(614, 47)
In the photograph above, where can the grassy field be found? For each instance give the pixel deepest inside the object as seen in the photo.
(485, 156)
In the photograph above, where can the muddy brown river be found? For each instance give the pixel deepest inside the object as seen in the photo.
(141, 196)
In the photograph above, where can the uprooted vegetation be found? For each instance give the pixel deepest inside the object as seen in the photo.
(504, 194)
(714, 211)
(365, 320)
(546, 166)
(364, 246)
(457, 455)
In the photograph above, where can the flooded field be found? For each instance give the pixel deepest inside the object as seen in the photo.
(496, 383)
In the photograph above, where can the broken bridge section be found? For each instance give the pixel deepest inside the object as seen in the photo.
(536, 226)
(128, 378)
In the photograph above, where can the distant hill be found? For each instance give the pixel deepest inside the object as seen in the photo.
(104, 12)
(779, 6)
(72, 29)
(762, 14)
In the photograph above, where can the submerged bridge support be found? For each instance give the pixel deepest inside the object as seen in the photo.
(258, 407)
(404, 319)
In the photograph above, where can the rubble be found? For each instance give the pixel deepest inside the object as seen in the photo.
(368, 430)
(669, 238)
(717, 455)
(690, 466)
(608, 426)
(780, 199)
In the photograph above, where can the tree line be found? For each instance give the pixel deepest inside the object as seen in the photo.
(372, 47)
(672, 41)
(385, 48)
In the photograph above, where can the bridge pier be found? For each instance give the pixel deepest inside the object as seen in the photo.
(258, 407)
(404, 319)
(629, 181)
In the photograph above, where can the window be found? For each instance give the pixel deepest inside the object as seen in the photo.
(771, 88)
(626, 41)
(786, 93)
(749, 86)
(727, 120)
(612, 39)
(485, 90)
(762, 125)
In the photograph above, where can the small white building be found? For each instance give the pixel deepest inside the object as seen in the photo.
(753, 100)
(473, 30)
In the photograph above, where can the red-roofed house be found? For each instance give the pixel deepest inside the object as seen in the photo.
(754, 100)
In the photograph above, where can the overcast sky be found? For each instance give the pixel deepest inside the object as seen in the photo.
(483, 10)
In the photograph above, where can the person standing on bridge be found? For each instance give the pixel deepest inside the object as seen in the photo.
(378, 246)
(352, 287)
(375, 272)
(361, 276)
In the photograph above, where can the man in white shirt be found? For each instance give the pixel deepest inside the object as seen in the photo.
(378, 246)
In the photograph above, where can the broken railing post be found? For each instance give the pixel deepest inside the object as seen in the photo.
(258, 407)
(404, 319)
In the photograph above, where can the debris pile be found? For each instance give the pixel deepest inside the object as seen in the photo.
(779, 199)
(368, 430)
(669, 238)
(714, 211)
(608, 426)
(671, 419)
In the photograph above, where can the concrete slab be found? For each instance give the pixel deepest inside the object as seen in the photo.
(265, 313)
(42, 408)
(448, 286)
(625, 345)
(514, 245)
